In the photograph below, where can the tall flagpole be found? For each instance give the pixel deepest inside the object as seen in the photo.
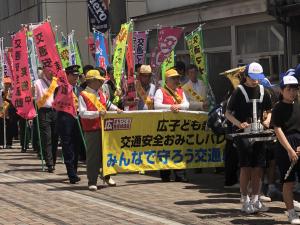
(2, 75)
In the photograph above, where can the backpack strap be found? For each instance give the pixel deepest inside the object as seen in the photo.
(261, 90)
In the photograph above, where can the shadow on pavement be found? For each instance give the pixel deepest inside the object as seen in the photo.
(257, 222)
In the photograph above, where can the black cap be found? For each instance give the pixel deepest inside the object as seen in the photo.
(74, 69)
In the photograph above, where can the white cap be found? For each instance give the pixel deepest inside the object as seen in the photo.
(288, 80)
(255, 71)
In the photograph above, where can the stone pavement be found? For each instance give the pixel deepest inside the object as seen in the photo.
(30, 196)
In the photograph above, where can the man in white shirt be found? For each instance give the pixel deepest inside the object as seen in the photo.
(145, 89)
(44, 92)
(92, 105)
(195, 91)
(171, 97)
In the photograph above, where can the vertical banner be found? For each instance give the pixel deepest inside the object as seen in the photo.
(167, 64)
(9, 59)
(63, 51)
(48, 55)
(32, 56)
(71, 48)
(167, 40)
(101, 56)
(119, 54)
(98, 15)
(2, 55)
(22, 96)
(195, 45)
(92, 47)
(140, 46)
(131, 92)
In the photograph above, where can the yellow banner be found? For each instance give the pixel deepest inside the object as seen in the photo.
(119, 53)
(156, 140)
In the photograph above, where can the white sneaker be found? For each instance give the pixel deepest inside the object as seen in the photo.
(297, 188)
(296, 205)
(93, 188)
(260, 207)
(247, 207)
(294, 217)
(109, 181)
(264, 198)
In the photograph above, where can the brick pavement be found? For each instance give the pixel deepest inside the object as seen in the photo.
(30, 196)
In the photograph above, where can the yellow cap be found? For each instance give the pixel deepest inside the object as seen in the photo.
(94, 74)
(172, 73)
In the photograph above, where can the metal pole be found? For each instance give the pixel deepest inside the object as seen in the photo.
(25, 137)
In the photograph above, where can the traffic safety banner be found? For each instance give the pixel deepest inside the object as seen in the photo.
(157, 140)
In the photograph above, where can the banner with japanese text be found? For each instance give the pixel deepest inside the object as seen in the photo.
(101, 56)
(157, 140)
(2, 63)
(48, 56)
(131, 92)
(22, 95)
(63, 51)
(32, 57)
(119, 53)
(140, 46)
(195, 46)
(92, 48)
(167, 64)
(167, 40)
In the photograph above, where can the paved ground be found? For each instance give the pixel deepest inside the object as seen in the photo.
(30, 196)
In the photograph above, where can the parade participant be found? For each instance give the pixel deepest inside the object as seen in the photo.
(68, 130)
(92, 105)
(195, 91)
(180, 68)
(252, 156)
(44, 92)
(171, 97)
(85, 69)
(11, 118)
(145, 89)
(109, 86)
(286, 122)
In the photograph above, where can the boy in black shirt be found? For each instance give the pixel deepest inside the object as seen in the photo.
(252, 157)
(286, 122)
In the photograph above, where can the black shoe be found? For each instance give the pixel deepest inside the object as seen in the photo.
(181, 179)
(74, 180)
(23, 150)
(165, 179)
(50, 169)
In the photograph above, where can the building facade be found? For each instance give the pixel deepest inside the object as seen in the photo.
(235, 32)
(66, 15)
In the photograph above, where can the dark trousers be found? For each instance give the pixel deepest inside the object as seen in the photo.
(165, 174)
(69, 133)
(231, 164)
(9, 129)
(49, 137)
(25, 133)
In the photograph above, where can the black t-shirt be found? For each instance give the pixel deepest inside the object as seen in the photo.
(287, 117)
(242, 110)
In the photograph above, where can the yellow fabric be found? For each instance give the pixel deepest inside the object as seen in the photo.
(157, 140)
(75, 101)
(4, 109)
(49, 92)
(192, 93)
(178, 99)
(95, 101)
(142, 93)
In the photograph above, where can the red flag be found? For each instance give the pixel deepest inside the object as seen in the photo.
(131, 93)
(22, 96)
(48, 55)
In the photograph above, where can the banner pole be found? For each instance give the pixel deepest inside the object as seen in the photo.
(39, 136)
(25, 137)
(81, 133)
(4, 130)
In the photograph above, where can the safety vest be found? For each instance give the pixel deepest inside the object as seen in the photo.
(90, 100)
(168, 99)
